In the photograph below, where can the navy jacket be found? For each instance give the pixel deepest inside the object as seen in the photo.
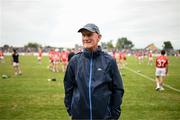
(93, 86)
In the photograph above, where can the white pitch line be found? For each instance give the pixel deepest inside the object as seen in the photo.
(166, 85)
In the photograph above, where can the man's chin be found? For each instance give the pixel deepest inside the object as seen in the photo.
(87, 47)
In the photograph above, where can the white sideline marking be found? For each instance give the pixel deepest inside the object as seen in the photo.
(166, 85)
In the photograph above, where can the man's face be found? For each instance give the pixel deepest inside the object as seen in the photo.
(90, 39)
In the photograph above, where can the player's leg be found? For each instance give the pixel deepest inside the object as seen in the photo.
(148, 61)
(64, 64)
(50, 65)
(151, 61)
(59, 69)
(157, 79)
(15, 69)
(163, 75)
(19, 69)
(54, 66)
(39, 60)
(157, 83)
(120, 64)
(1, 59)
(162, 82)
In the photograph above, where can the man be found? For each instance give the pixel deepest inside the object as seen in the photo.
(1, 56)
(161, 70)
(124, 58)
(120, 60)
(56, 60)
(64, 60)
(114, 54)
(15, 62)
(150, 58)
(93, 85)
(51, 54)
(39, 55)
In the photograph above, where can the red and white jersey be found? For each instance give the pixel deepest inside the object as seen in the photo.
(56, 56)
(139, 54)
(124, 56)
(161, 61)
(120, 56)
(40, 54)
(51, 54)
(64, 56)
(1, 54)
(150, 54)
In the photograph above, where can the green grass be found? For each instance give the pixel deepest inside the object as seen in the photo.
(31, 96)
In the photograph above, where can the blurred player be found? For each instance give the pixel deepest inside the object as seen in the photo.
(39, 55)
(140, 57)
(124, 59)
(161, 70)
(150, 58)
(15, 62)
(64, 60)
(50, 55)
(114, 54)
(56, 60)
(120, 65)
(1, 56)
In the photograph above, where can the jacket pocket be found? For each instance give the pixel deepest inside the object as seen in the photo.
(108, 111)
(75, 107)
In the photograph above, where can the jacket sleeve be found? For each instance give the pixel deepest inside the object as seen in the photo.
(117, 91)
(68, 86)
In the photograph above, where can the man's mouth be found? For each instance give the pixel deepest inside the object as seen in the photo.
(87, 41)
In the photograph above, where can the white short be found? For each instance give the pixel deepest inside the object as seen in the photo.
(150, 58)
(15, 64)
(39, 58)
(55, 62)
(1, 57)
(160, 71)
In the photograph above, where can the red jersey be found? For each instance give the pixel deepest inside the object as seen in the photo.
(40, 53)
(150, 54)
(124, 56)
(56, 56)
(64, 56)
(161, 61)
(51, 53)
(1, 53)
(120, 56)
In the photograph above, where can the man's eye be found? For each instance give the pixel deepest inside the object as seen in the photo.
(87, 34)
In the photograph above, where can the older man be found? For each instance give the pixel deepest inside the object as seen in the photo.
(93, 85)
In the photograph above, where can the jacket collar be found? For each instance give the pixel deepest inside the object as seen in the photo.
(93, 54)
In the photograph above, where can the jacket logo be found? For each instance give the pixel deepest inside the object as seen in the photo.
(99, 69)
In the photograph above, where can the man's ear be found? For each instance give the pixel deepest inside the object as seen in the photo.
(99, 37)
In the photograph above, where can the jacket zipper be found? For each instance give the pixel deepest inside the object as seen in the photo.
(90, 79)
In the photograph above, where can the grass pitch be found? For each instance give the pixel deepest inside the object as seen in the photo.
(32, 97)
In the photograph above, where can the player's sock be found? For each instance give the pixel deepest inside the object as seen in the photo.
(157, 86)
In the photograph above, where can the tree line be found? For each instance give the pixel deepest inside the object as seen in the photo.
(121, 43)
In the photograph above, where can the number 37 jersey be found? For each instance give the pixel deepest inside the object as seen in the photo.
(161, 61)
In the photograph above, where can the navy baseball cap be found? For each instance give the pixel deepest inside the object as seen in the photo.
(90, 27)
